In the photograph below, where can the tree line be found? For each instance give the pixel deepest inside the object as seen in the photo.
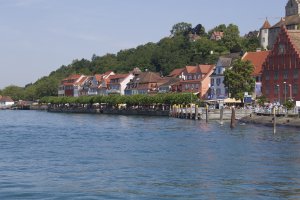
(132, 100)
(175, 51)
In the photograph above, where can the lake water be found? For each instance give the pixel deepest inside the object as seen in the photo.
(82, 156)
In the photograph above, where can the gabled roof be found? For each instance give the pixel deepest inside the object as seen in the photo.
(171, 81)
(176, 72)
(6, 99)
(99, 77)
(118, 76)
(108, 73)
(203, 69)
(286, 21)
(224, 62)
(81, 80)
(149, 77)
(257, 59)
(72, 77)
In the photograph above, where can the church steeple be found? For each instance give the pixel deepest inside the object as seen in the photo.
(292, 8)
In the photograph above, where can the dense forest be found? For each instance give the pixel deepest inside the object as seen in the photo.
(186, 45)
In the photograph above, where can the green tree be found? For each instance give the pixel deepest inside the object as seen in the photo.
(15, 92)
(250, 43)
(239, 80)
(47, 86)
(290, 104)
(261, 100)
(232, 38)
(181, 28)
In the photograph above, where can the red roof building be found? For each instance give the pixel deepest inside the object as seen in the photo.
(280, 73)
(196, 79)
(257, 59)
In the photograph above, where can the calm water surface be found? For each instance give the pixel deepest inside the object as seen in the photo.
(73, 156)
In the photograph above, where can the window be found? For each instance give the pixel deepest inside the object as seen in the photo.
(212, 82)
(267, 76)
(285, 74)
(276, 89)
(275, 75)
(218, 92)
(218, 81)
(295, 89)
(187, 86)
(219, 70)
(281, 49)
(296, 73)
(264, 40)
(267, 89)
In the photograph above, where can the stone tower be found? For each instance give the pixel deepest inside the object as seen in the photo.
(264, 34)
(292, 8)
(291, 21)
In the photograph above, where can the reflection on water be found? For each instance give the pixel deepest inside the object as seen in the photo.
(65, 156)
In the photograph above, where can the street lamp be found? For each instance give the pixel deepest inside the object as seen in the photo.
(290, 86)
(284, 91)
(278, 93)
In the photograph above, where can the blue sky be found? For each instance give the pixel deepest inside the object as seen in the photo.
(38, 36)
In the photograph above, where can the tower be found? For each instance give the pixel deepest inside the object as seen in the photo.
(291, 21)
(264, 34)
(292, 8)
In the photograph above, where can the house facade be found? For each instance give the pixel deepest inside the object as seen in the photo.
(6, 102)
(118, 83)
(71, 85)
(217, 35)
(217, 87)
(280, 73)
(145, 83)
(257, 59)
(196, 79)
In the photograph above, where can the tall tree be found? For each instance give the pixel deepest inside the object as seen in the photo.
(181, 28)
(15, 92)
(239, 80)
(231, 38)
(199, 30)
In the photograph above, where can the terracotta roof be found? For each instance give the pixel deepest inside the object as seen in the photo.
(266, 25)
(205, 69)
(107, 73)
(191, 69)
(294, 36)
(149, 77)
(257, 59)
(171, 81)
(6, 99)
(81, 80)
(99, 77)
(118, 76)
(72, 77)
(176, 72)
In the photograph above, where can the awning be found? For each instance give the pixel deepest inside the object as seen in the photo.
(230, 100)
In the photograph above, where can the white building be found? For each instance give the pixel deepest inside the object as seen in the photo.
(217, 87)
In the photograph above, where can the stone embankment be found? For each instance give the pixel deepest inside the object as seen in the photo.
(269, 120)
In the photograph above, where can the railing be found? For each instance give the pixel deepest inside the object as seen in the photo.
(279, 111)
